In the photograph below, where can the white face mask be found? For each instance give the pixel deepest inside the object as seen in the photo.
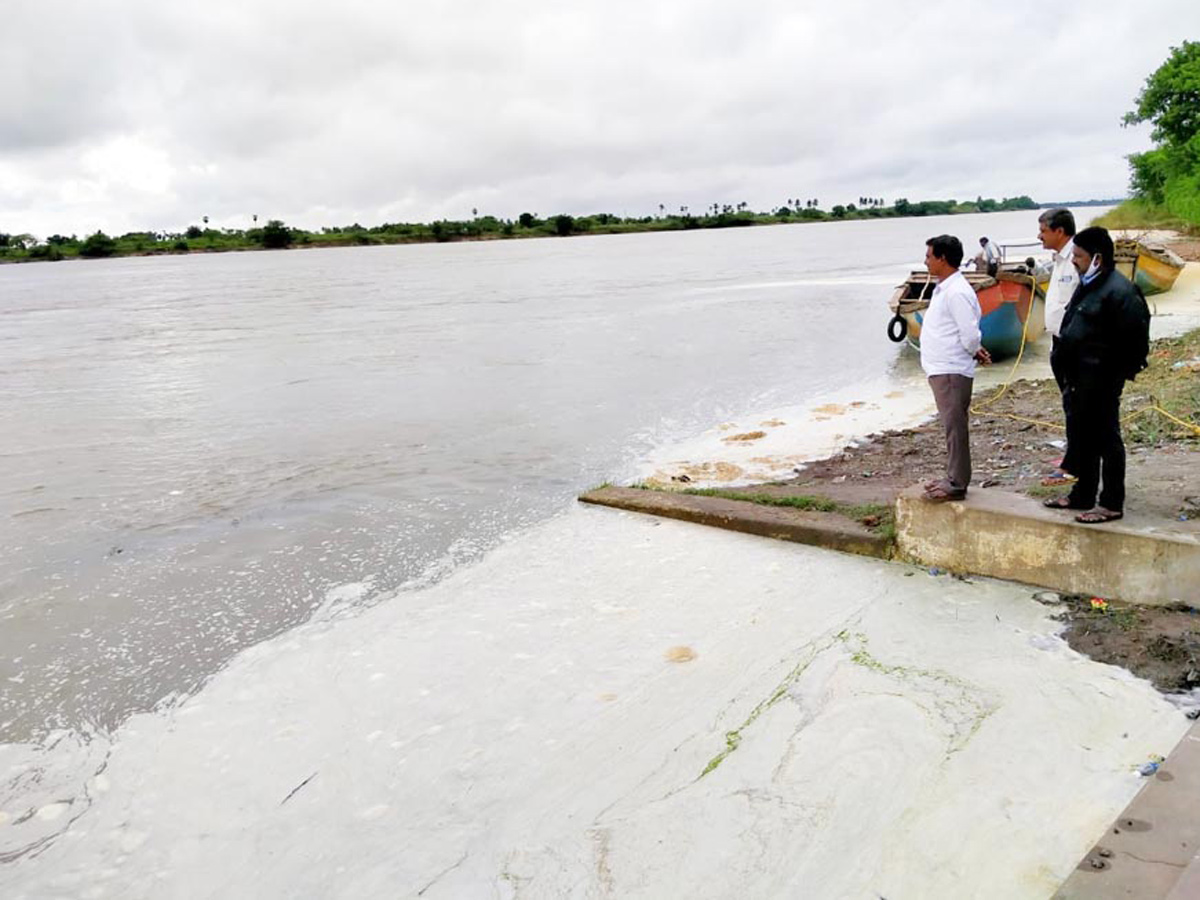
(1093, 268)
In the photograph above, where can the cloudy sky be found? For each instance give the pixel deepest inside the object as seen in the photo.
(130, 114)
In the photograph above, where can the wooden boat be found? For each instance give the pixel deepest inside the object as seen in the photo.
(1125, 255)
(1152, 267)
(1010, 302)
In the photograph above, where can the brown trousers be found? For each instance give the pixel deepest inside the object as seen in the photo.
(952, 393)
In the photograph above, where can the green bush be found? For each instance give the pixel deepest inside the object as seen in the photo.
(98, 245)
(276, 235)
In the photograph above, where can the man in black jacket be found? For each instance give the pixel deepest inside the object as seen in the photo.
(1104, 341)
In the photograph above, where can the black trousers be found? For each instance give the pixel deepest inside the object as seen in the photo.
(1055, 367)
(1094, 440)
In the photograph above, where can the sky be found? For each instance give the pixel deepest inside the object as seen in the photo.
(125, 115)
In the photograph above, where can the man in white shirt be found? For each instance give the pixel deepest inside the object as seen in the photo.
(1056, 230)
(950, 347)
(989, 257)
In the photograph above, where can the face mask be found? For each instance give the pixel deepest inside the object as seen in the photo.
(1093, 270)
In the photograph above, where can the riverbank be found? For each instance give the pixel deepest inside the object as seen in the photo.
(1017, 439)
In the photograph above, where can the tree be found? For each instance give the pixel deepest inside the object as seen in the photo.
(276, 235)
(98, 245)
(1169, 175)
(563, 225)
(527, 220)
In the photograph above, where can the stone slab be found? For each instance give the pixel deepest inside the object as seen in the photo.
(1011, 536)
(819, 529)
(1150, 851)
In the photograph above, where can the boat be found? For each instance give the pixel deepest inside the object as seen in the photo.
(1011, 304)
(1152, 267)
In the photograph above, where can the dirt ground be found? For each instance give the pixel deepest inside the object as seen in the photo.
(1186, 247)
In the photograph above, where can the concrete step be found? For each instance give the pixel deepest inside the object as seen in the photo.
(1012, 536)
(820, 529)
(1150, 851)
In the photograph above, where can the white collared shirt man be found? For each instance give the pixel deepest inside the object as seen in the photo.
(1063, 281)
(950, 344)
(950, 335)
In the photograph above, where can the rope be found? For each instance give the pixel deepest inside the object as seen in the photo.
(976, 408)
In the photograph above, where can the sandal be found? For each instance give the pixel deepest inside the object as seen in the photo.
(1062, 503)
(1098, 516)
(940, 494)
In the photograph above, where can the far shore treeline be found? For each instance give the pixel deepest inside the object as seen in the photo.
(277, 235)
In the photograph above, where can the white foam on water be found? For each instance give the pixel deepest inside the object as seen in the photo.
(771, 444)
(613, 704)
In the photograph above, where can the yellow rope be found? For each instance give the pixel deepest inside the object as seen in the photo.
(1154, 407)
(977, 407)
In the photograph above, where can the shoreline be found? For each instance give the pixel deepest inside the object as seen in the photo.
(904, 446)
(645, 225)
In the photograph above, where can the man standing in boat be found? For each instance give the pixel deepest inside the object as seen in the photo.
(988, 258)
(1056, 231)
(950, 346)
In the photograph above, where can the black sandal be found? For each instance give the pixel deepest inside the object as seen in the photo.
(1099, 516)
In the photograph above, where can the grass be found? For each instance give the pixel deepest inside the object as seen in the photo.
(875, 516)
(1175, 390)
(817, 504)
(1142, 215)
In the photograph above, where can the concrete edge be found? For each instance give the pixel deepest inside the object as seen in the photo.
(1152, 850)
(1002, 534)
(818, 529)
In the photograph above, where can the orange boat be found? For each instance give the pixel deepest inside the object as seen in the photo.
(1011, 303)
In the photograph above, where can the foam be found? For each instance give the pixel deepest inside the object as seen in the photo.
(843, 727)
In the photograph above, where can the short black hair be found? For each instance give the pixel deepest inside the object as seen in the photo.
(1059, 219)
(1097, 240)
(947, 247)
(983, 240)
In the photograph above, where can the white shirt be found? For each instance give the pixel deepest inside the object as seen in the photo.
(950, 334)
(1063, 281)
(992, 252)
